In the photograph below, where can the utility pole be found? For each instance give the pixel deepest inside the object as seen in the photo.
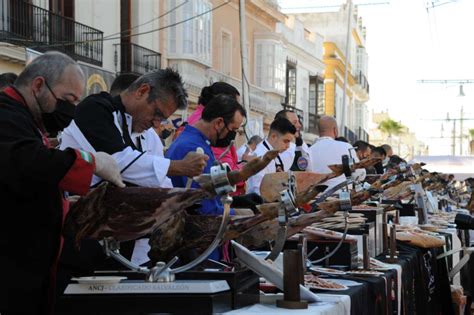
(346, 67)
(461, 119)
(454, 135)
(244, 59)
(461, 131)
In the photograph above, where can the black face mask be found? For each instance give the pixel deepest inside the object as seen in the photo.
(379, 167)
(60, 118)
(225, 142)
(165, 134)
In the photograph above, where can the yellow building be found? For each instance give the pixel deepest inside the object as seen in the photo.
(334, 61)
(353, 118)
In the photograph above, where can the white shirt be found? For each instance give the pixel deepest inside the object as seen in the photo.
(152, 144)
(327, 151)
(148, 171)
(254, 182)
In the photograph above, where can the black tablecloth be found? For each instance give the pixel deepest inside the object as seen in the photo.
(425, 286)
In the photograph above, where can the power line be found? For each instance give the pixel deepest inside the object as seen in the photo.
(438, 3)
(152, 20)
(61, 44)
(334, 6)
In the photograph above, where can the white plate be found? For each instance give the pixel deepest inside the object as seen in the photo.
(99, 280)
(327, 271)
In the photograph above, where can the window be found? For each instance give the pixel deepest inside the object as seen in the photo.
(62, 7)
(290, 84)
(312, 105)
(191, 39)
(226, 53)
(320, 100)
(270, 65)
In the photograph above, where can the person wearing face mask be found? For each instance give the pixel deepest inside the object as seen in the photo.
(223, 150)
(282, 133)
(221, 118)
(34, 180)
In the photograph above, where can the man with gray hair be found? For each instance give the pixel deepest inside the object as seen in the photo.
(33, 179)
(111, 124)
(117, 124)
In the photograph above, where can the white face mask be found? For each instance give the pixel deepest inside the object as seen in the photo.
(385, 161)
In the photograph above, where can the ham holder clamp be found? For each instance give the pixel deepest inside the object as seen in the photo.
(162, 272)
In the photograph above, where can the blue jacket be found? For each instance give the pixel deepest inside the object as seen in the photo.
(188, 141)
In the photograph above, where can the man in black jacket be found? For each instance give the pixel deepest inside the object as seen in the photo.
(33, 178)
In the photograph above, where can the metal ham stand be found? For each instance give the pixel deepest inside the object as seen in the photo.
(162, 272)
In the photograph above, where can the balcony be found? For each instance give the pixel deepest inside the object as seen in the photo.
(31, 26)
(136, 59)
(362, 81)
(313, 120)
(260, 101)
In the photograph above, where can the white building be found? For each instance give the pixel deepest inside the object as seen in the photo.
(304, 72)
(333, 27)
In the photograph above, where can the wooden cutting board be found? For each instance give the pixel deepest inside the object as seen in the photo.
(273, 183)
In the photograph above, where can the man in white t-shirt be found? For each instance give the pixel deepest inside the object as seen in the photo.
(327, 151)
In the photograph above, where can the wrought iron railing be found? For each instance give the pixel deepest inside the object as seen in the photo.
(136, 59)
(22, 23)
(350, 135)
(313, 123)
(362, 81)
(298, 111)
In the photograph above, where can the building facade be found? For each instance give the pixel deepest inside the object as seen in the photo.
(353, 118)
(304, 88)
(294, 61)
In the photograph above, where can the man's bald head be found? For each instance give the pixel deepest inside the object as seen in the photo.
(328, 127)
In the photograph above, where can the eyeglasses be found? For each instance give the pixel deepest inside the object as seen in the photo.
(49, 88)
(54, 95)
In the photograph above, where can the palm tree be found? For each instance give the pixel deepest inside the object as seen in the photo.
(471, 143)
(390, 127)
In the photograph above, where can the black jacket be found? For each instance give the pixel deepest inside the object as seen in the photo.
(31, 207)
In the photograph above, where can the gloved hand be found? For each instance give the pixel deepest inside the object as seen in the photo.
(358, 175)
(107, 168)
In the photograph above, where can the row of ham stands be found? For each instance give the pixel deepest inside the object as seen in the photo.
(399, 243)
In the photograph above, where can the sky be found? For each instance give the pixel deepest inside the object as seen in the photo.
(407, 42)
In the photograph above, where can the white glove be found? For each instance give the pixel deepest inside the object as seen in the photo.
(358, 175)
(107, 168)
